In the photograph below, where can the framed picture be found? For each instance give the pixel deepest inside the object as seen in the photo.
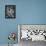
(32, 32)
(10, 11)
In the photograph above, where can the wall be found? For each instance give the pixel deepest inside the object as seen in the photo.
(6, 25)
(27, 12)
(31, 11)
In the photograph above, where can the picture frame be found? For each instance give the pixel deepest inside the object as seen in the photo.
(10, 11)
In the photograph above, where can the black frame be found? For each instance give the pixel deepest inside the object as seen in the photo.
(14, 9)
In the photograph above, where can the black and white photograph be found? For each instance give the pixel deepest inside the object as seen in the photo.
(10, 11)
(31, 34)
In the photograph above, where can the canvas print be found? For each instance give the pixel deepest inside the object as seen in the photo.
(33, 32)
(29, 35)
(10, 11)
